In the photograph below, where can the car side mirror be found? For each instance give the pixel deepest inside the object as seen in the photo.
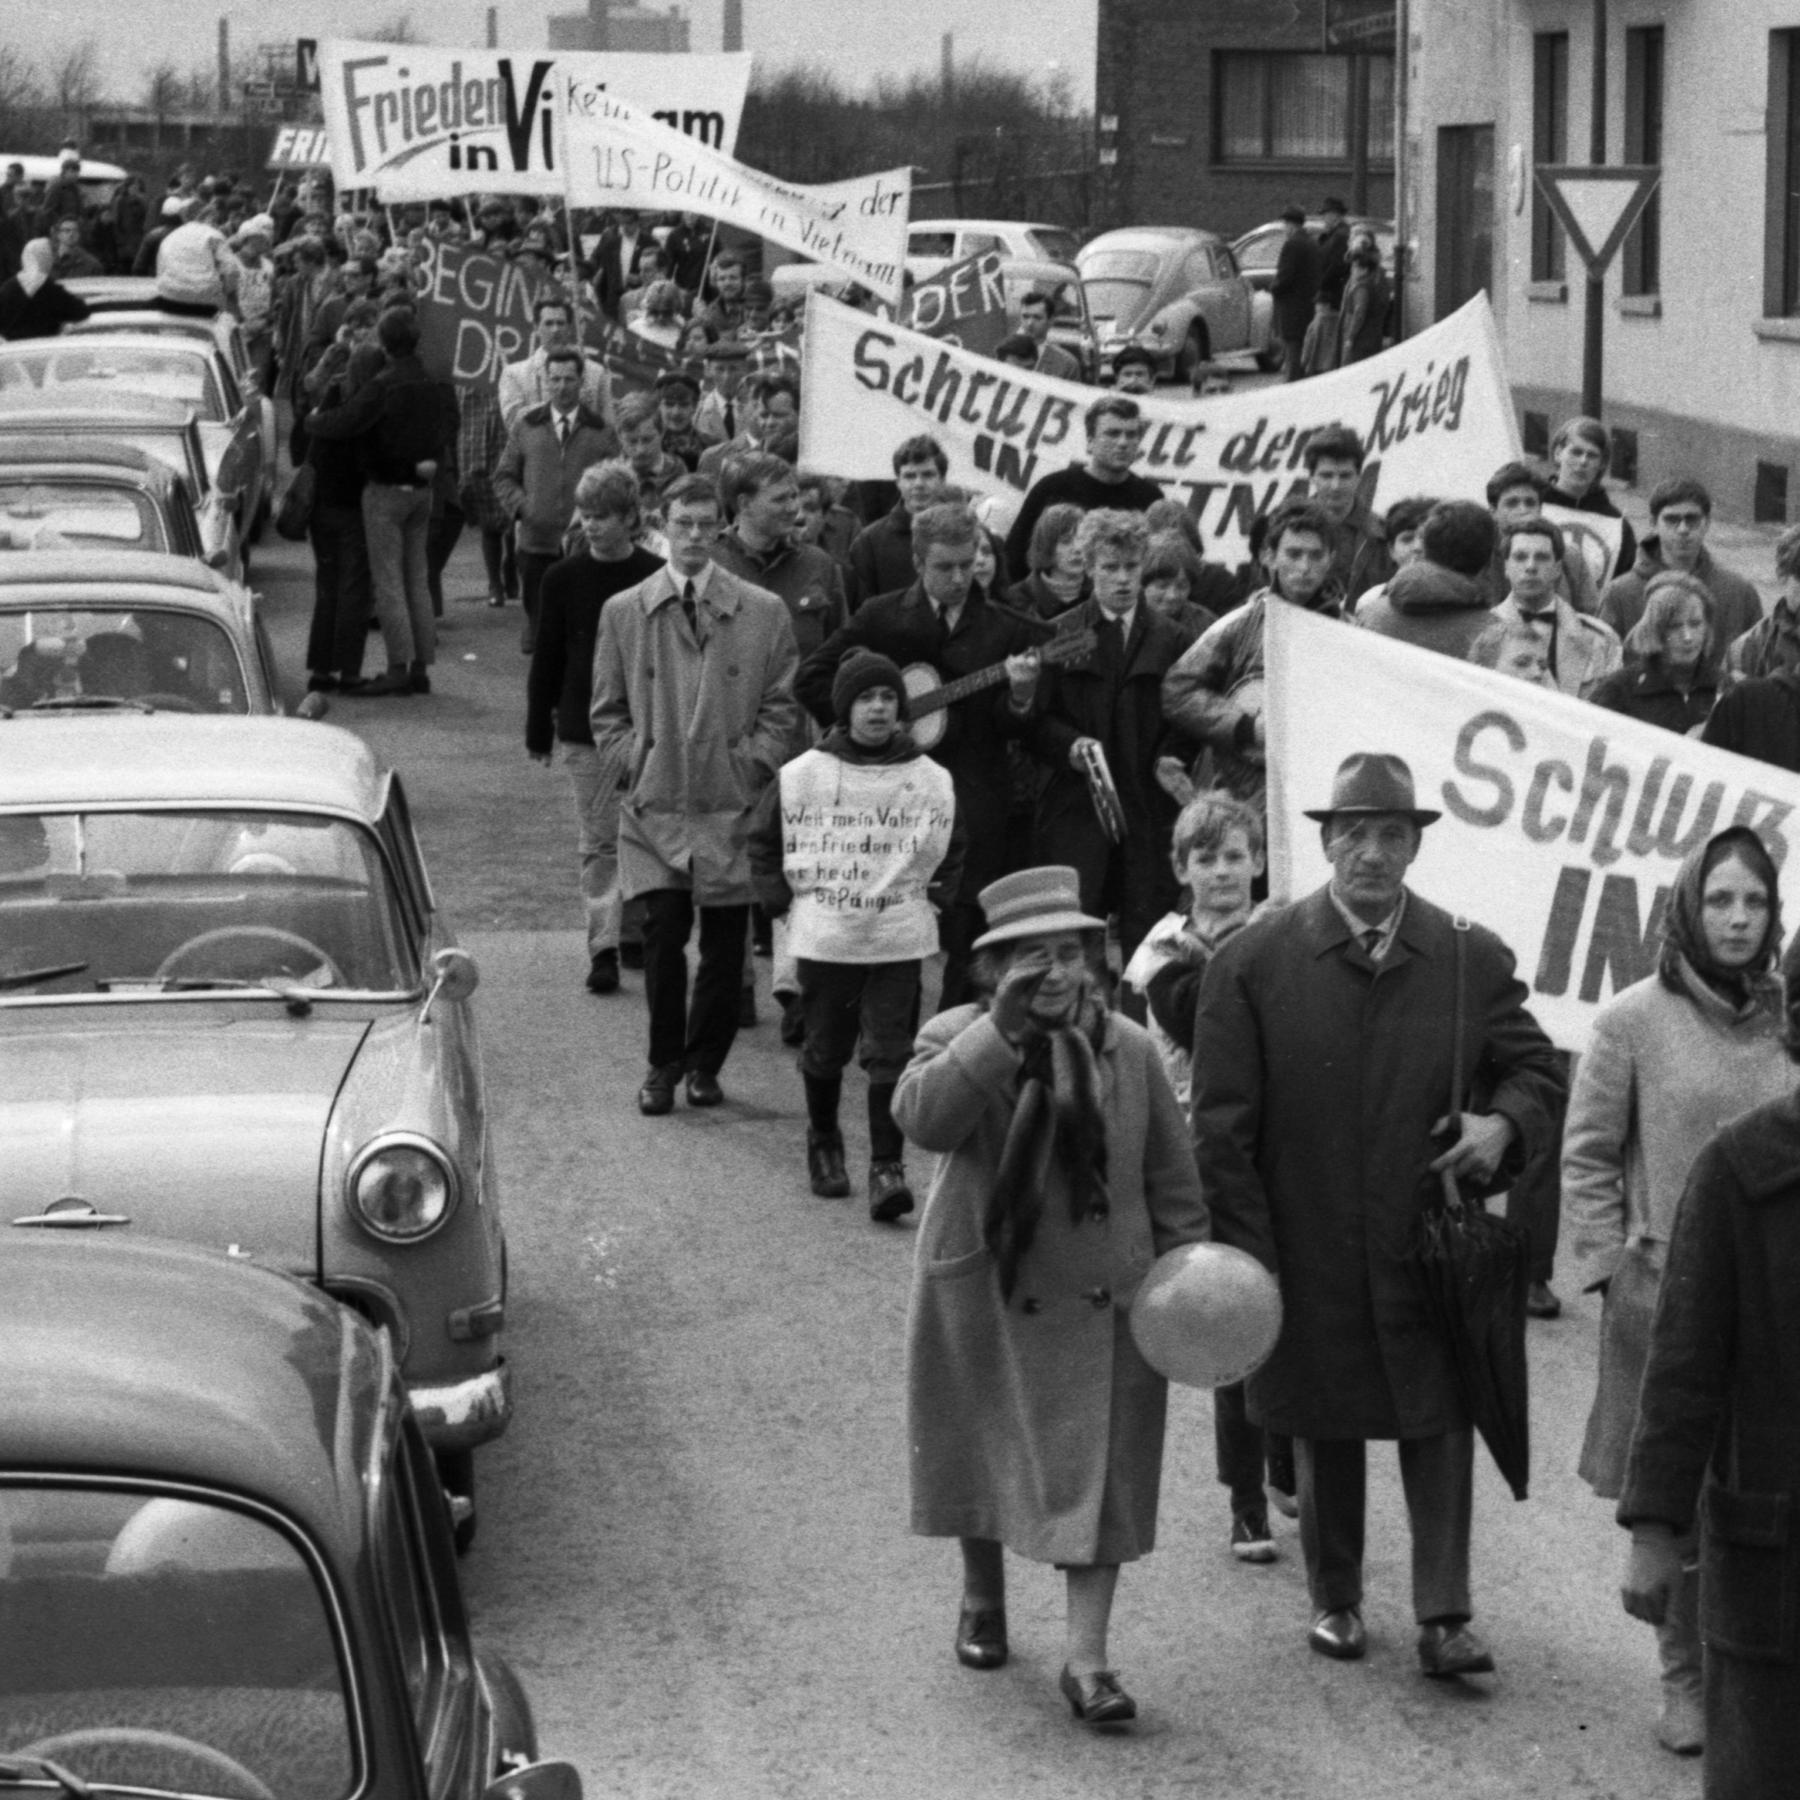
(454, 977)
(537, 1781)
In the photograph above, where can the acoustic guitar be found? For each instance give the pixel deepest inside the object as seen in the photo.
(927, 693)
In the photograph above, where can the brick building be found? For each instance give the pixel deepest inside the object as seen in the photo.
(1218, 113)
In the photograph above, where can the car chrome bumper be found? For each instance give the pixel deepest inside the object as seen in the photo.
(457, 1415)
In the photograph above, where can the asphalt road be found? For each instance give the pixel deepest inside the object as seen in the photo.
(694, 1544)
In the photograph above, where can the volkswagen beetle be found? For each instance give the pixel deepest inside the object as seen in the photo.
(231, 1013)
(225, 1564)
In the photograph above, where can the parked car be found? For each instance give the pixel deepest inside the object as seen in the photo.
(933, 244)
(1257, 250)
(1071, 327)
(99, 180)
(231, 1012)
(165, 429)
(1179, 293)
(95, 493)
(225, 1564)
(127, 303)
(95, 370)
(90, 630)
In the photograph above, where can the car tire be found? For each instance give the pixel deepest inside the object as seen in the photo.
(456, 1470)
(1195, 353)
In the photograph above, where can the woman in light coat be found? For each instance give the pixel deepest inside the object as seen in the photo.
(1671, 1060)
(1034, 1422)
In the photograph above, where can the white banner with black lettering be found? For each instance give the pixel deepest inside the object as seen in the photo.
(621, 155)
(1435, 413)
(417, 122)
(1563, 824)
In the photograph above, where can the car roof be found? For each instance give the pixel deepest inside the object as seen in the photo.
(114, 290)
(164, 341)
(138, 1356)
(35, 576)
(187, 759)
(127, 407)
(1150, 237)
(18, 450)
(982, 225)
(1033, 268)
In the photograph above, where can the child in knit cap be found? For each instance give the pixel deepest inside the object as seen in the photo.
(858, 844)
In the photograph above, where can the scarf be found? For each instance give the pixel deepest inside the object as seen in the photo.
(1057, 1118)
(1685, 957)
(35, 264)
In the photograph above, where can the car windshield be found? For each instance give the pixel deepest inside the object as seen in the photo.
(1137, 266)
(94, 367)
(60, 659)
(171, 1644)
(175, 902)
(1261, 251)
(1053, 243)
(35, 513)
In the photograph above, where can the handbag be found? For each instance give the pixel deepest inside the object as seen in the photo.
(293, 515)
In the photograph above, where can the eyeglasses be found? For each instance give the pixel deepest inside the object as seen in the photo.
(1682, 521)
(677, 525)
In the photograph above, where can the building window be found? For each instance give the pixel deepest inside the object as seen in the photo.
(1644, 144)
(1781, 220)
(1277, 106)
(1549, 144)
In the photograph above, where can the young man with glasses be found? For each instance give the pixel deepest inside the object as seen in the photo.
(1680, 512)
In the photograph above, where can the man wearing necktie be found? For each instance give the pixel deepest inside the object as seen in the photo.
(548, 451)
(694, 714)
(1323, 1122)
(1113, 700)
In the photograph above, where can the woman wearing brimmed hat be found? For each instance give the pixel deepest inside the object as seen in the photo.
(1034, 1422)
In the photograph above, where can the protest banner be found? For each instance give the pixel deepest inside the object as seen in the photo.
(1435, 413)
(475, 313)
(419, 122)
(1563, 824)
(299, 147)
(619, 154)
(1595, 535)
(964, 304)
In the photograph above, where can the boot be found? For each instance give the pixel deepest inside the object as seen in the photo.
(825, 1166)
(1681, 1726)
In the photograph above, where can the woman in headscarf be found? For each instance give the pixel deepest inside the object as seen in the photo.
(33, 304)
(1671, 1059)
(1065, 1170)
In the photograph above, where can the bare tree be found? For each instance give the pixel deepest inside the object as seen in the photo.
(164, 88)
(75, 84)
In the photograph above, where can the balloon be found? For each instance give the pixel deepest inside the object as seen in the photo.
(1207, 1315)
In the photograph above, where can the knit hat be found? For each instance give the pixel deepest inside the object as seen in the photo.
(860, 671)
(187, 266)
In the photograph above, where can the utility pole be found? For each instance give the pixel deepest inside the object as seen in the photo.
(734, 25)
(1593, 348)
(224, 65)
(949, 64)
(493, 22)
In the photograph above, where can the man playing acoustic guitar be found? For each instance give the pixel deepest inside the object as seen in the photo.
(945, 623)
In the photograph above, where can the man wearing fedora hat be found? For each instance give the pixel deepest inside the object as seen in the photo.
(1323, 1046)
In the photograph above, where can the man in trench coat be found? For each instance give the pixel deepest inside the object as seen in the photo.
(1322, 1062)
(693, 714)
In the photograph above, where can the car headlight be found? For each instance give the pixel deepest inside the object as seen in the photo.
(401, 1188)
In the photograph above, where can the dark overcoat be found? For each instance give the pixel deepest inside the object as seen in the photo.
(906, 627)
(1718, 1434)
(1317, 1080)
(1120, 706)
(1035, 1421)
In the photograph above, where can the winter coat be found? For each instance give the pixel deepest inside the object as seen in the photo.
(859, 850)
(1317, 1080)
(1427, 605)
(1761, 719)
(698, 728)
(1363, 321)
(1737, 606)
(906, 628)
(1718, 1438)
(1036, 1421)
(1646, 690)
(1586, 651)
(1296, 284)
(881, 558)
(536, 476)
(1662, 1072)
(1121, 707)
(1360, 558)
(526, 384)
(1769, 648)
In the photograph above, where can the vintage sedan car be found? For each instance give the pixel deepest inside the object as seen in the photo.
(94, 493)
(1179, 293)
(226, 1569)
(231, 1012)
(165, 429)
(932, 245)
(94, 370)
(86, 630)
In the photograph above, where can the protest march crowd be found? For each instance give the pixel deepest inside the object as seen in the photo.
(854, 726)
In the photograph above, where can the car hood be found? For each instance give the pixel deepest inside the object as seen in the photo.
(195, 1121)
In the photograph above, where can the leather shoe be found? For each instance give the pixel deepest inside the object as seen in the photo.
(1340, 1634)
(825, 1166)
(603, 972)
(657, 1095)
(981, 1637)
(1448, 1648)
(1096, 1699)
(703, 1089)
(890, 1195)
(1541, 1301)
